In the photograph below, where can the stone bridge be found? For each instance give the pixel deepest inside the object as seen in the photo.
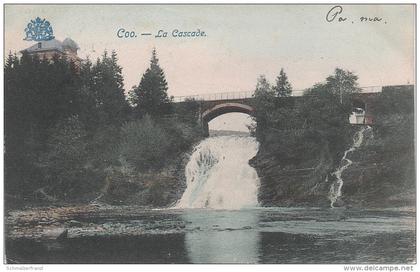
(214, 105)
(212, 109)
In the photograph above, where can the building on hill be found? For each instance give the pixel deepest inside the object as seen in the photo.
(47, 49)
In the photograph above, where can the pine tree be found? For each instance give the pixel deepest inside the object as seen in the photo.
(15, 126)
(262, 85)
(150, 97)
(88, 113)
(107, 88)
(39, 93)
(283, 87)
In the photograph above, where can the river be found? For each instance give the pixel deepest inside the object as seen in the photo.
(259, 235)
(217, 220)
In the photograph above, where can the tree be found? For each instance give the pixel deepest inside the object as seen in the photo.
(342, 84)
(283, 87)
(38, 93)
(144, 144)
(188, 111)
(63, 163)
(316, 125)
(263, 86)
(107, 88)
(264, 103)
(326, 119)
(88, 111)
(63, 126)
(16, 127)
(150, 97)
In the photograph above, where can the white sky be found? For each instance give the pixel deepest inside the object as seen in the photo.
(242, 42)
(231, 121)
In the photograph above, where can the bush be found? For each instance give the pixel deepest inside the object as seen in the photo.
(64, 162)
(144, 144)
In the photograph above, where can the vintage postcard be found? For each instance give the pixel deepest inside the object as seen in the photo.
(210, 134)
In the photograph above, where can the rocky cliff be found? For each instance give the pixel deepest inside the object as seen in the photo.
(382, 173)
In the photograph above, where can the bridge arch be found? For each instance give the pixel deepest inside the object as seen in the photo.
(221, 109)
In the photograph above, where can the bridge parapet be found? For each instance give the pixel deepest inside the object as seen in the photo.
(248, 94)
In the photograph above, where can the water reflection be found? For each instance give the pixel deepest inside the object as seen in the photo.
(222, 236)
(168, 248)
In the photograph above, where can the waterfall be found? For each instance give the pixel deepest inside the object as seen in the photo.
(335, 189)
(219, 176)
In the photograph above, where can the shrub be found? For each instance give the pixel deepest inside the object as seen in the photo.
(64, 161)
(144, 144)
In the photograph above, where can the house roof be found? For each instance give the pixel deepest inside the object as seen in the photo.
(52, 45)
(69, 43)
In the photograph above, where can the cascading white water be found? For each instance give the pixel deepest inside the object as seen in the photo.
(335, 189)
(219, 176)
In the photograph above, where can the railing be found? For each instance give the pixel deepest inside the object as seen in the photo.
(248, 94)
(371, 89)
(215, 96)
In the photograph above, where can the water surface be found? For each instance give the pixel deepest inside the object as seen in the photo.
(259, 235)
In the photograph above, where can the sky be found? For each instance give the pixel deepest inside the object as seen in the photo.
(241, 42)
(232, 121)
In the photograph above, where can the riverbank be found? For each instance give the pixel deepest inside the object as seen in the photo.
(67, 222)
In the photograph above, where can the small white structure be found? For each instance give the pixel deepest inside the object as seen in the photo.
(357, 117)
